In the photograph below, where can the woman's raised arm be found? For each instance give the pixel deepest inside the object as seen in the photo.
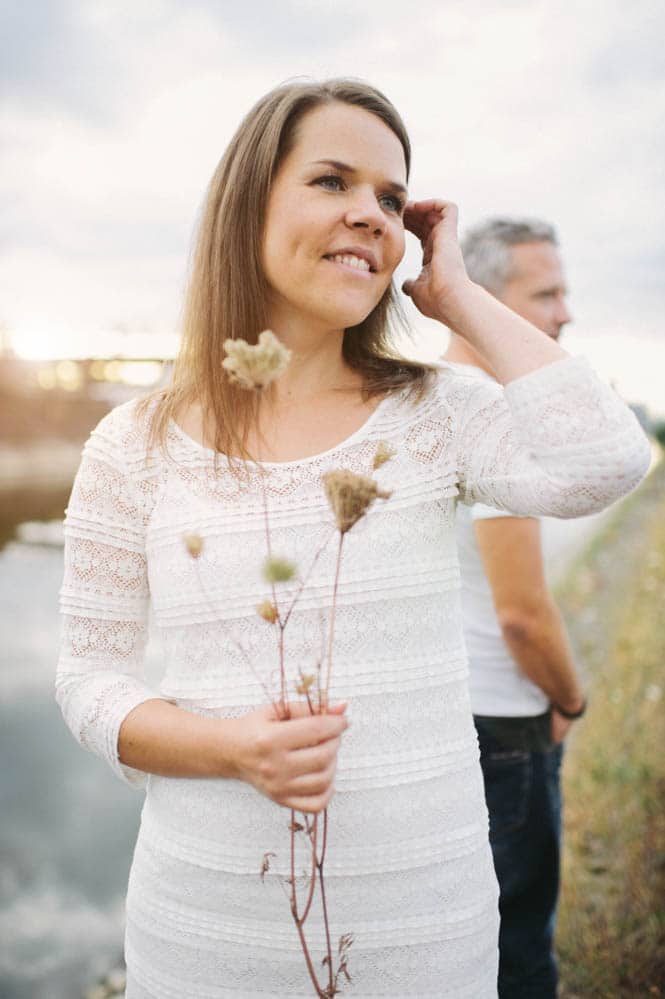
(557, 442)
(443, 291)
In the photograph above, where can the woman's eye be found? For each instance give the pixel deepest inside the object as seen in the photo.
(331, 182)
(389, 202)
(392, 203)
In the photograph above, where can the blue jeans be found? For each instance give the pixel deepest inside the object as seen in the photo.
(523, 793)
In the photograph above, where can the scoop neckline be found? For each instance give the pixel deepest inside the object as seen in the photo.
(351, 439)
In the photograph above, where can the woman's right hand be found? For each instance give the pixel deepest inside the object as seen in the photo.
(293, 762)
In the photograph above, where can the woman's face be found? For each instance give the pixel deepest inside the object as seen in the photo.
(334, 232)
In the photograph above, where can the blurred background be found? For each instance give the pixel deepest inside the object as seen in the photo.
(112, 118)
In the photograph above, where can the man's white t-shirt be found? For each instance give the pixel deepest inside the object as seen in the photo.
(498, 686)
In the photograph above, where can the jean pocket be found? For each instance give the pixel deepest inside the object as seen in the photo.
(507, 775)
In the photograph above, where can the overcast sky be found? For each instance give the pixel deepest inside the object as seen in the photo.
(114, 113)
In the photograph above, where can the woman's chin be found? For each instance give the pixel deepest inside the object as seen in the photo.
(323, 313)
(353, 315)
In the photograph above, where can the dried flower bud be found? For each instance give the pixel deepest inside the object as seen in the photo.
(253, 366)
(193, 543)
(267, 611)
(278, 570)
(343, 948)
(306, 681)
(350, 496)
(384, 452)
(265, 863)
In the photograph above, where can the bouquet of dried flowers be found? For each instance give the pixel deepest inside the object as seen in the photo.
(254, 367)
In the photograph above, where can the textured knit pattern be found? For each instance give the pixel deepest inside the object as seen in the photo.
(409, 871)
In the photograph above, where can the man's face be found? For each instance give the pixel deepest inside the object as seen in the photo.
(537, 289)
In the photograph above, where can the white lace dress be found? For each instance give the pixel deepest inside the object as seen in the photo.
(409, 871)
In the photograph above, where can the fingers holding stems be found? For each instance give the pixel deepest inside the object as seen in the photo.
(293, 761)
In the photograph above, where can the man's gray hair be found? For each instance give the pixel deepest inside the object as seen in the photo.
(486, 248)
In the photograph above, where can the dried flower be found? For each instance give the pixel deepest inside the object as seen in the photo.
(253, 366)
(265, 863)
(306, 681)
(350, 496)
(384, 452)
(343, 948)
(278, 570)
(193, 543)
(267, 611)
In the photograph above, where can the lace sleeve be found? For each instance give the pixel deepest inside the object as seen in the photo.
(104, 596)
(556, 442)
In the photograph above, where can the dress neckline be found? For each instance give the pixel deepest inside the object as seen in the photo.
(341, 445)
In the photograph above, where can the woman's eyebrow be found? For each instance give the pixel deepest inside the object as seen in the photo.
(393, 185)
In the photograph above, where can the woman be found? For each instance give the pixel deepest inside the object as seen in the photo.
(302, 231)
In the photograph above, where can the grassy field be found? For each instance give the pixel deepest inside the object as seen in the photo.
(611, 935)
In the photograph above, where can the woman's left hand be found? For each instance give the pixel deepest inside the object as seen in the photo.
(443, 273)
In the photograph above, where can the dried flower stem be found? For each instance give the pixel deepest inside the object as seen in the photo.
(233, 640)
(253, 367)
(294, 897)
(303, 688)
(305, 579)
(312, 833)
(300, 918)
(308, 959)
(323, 696)
(283, 694)
(317, 863)
(266, 523)
(324, 906)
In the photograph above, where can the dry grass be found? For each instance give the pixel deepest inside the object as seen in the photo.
(611, 936)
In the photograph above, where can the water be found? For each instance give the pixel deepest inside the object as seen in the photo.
(67, 825)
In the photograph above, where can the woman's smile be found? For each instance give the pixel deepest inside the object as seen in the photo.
(358, 260)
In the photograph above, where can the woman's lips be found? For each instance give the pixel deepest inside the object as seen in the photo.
(359, 260)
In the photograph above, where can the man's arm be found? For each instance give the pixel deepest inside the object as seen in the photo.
(530, 621)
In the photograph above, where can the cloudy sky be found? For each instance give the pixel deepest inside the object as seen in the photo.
(114, 113)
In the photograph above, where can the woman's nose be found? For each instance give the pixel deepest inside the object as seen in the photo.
(365, 213)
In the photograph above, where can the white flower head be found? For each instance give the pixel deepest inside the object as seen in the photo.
(253, 366)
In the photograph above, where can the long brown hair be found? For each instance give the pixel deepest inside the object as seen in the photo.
(228, 292)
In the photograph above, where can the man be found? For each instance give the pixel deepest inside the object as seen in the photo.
(525, 691)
